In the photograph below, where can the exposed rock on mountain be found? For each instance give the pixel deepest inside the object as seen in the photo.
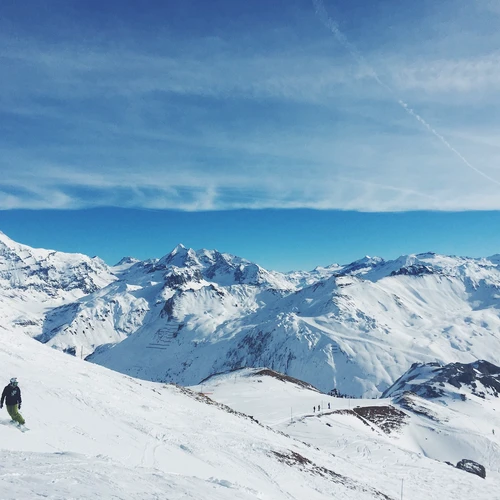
(354, 329)
(433, 380)
(472, 467)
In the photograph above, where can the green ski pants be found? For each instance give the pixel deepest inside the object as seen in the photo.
(14, 414)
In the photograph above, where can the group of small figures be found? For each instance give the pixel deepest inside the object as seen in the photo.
(319, 408)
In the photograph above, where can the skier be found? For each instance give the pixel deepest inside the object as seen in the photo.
(328, 405)
(314, 409)
(12, 396)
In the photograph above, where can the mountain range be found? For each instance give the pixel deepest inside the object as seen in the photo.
(182, 318)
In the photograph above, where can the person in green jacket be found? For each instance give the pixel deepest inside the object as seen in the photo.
(12, 397)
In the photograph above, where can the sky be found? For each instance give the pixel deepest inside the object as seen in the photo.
(193, 107)
(281, 240)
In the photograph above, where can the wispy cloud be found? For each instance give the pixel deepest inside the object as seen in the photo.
(215, 125)
(460, 76)
(72, 74)
(492, 6)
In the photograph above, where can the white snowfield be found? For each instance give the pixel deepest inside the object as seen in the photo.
(95, 433)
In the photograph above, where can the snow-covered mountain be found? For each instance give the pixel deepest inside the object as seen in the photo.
(354, 328)
(95, 433)
(33, 281)
(434, 381)
(145, 294)
(464, 396)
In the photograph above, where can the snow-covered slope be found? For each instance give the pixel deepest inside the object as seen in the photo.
(388, 439)
(356, 330)
(214, 287)
(456, 409)
(95, 433)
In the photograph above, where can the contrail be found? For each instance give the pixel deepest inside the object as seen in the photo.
(321, 12)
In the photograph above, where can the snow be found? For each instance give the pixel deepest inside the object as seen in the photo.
(35, 281)
(95, 433)
(190, 314)
(462, 429)
(327, 334)
(356, 329)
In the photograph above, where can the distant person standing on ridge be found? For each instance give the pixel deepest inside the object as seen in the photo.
(12, 397)
(314, 409)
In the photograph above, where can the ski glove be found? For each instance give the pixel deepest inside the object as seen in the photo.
(19, 406)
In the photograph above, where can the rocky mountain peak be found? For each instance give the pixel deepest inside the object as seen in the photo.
(367, 263)
(127, 260)
(180, 256)
(434, 380)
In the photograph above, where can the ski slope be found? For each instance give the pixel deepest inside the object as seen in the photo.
(97, 433)
(415, 451)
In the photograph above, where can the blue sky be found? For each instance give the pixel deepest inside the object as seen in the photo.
(196, 106)
(276, 239)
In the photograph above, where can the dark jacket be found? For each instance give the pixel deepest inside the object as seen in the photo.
(12, 395)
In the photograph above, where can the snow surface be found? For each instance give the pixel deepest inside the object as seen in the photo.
(414, 453)
(35, 281)
(95, 433)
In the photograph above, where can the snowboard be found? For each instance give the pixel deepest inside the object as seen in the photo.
(22, 428)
